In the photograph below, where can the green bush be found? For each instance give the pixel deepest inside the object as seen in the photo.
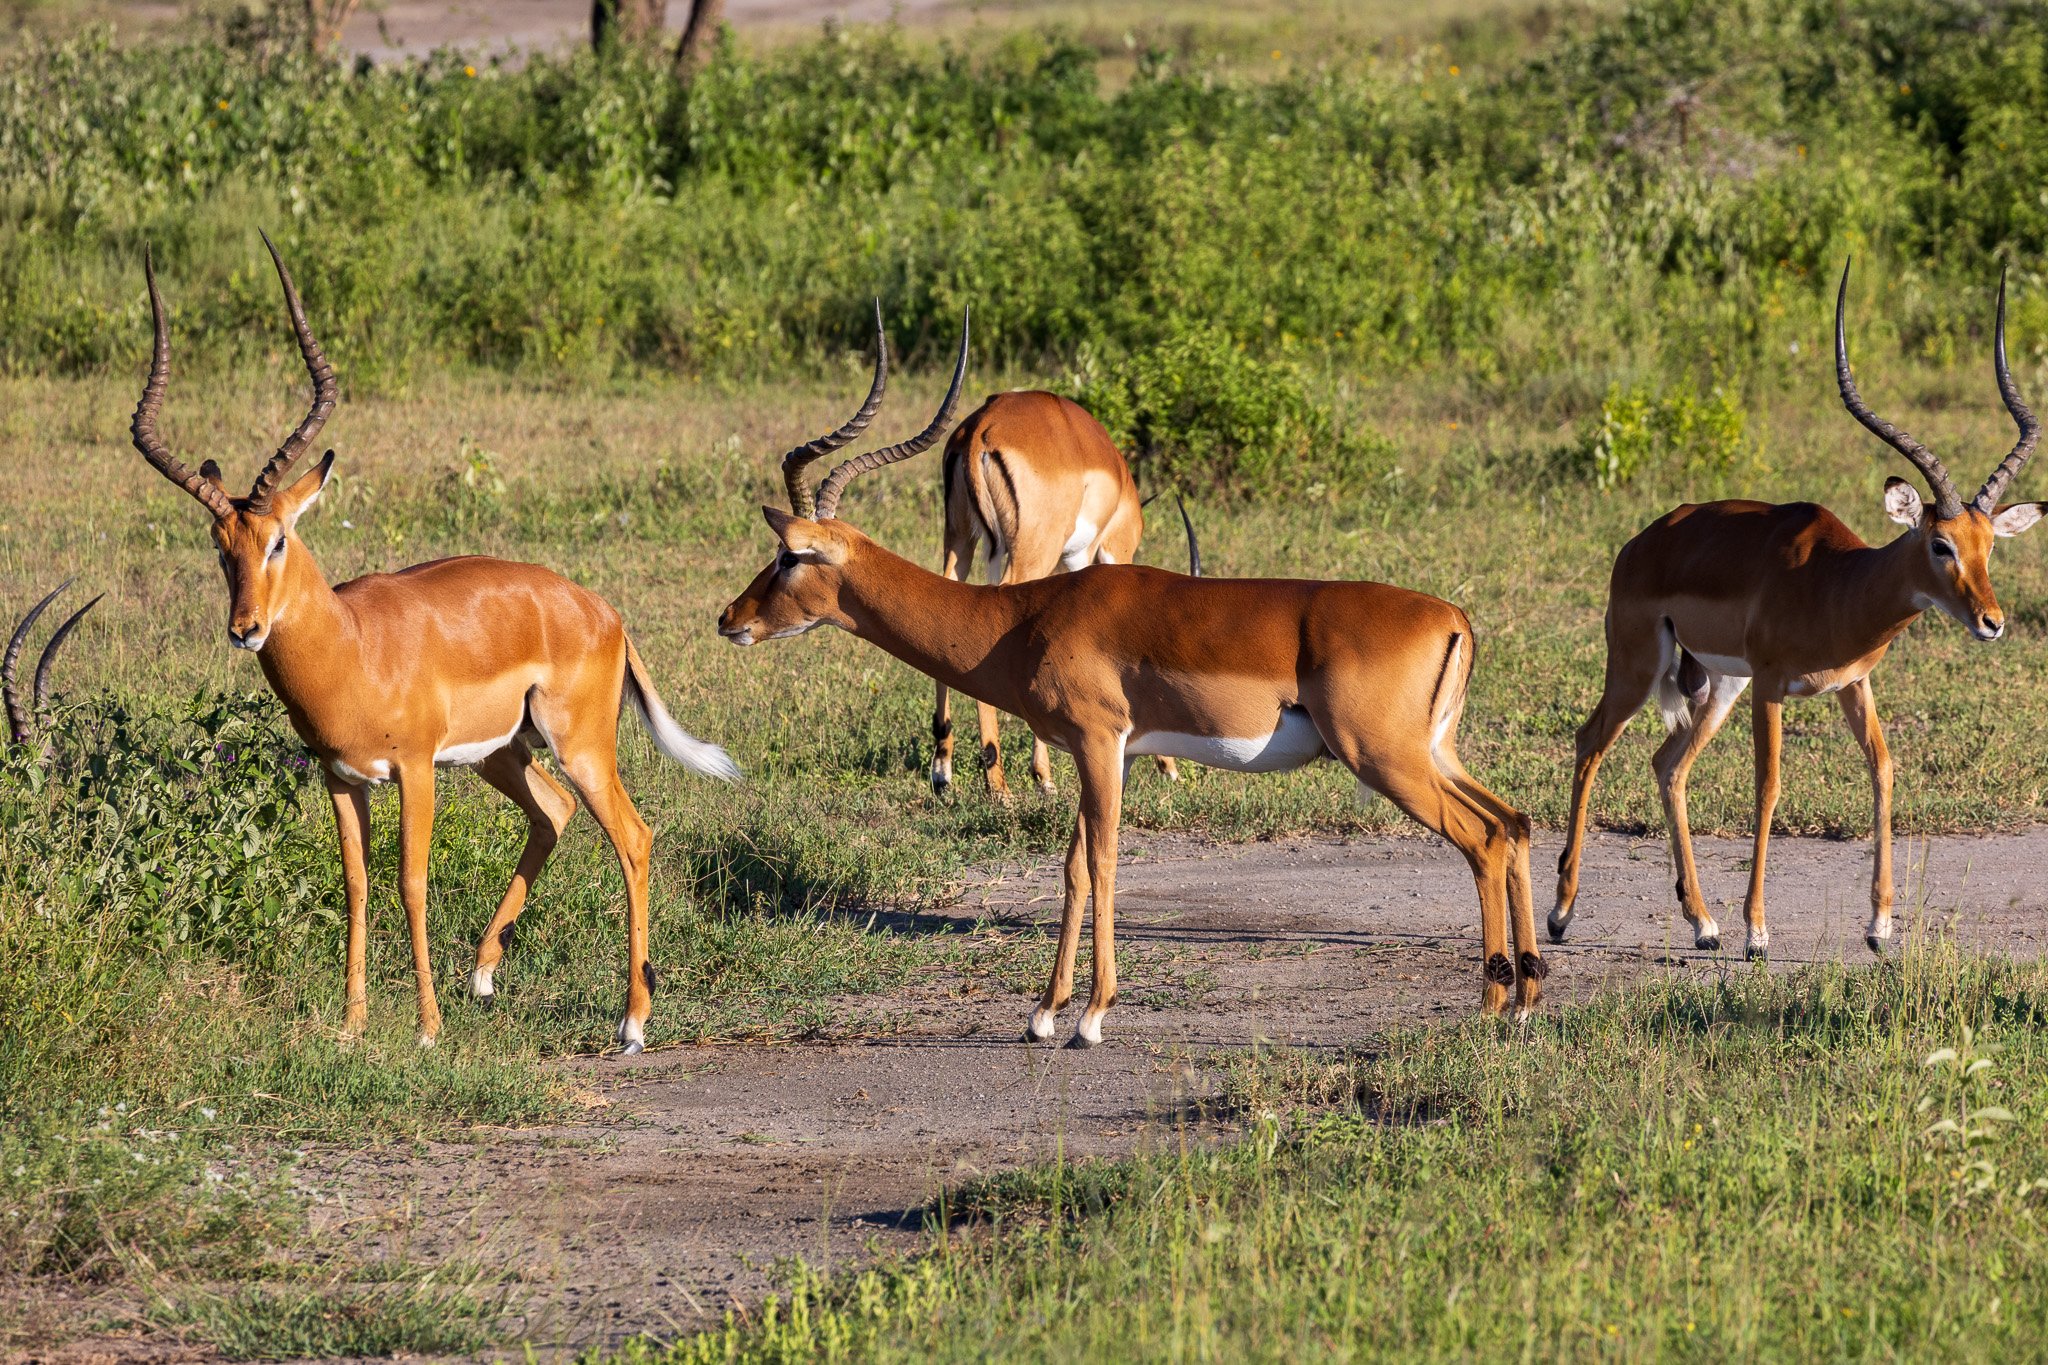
(1679, 429)
(582, 215)
(1199, 411)
(179, 828)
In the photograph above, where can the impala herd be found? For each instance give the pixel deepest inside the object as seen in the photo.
(480, 663)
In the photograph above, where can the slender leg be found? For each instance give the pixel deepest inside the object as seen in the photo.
(1530, 969)
(1631, 673)
(1435, 802)
(1041, 766)
(1102, 793)
(1060, 988)
(992, 751)
(1859, 708)
(591, 761)
(416, 806)
(352, 824)
(954, 565)
(1767, 713)
(1673, 765)
(513, 771)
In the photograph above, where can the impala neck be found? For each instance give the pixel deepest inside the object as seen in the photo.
(938, 626)
(313, 643)
(1891, 592)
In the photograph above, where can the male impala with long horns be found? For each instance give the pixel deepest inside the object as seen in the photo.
(466, 662)
(1715, 596)
(1114, 661)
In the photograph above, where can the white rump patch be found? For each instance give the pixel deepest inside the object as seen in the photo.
(1443, 722)
(1294, 744)
(1074, 555)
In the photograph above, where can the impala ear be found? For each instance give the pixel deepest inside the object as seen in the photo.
(1901, 501)
(292, 503)
(2015, 517)
(210, 471)
(803, 538)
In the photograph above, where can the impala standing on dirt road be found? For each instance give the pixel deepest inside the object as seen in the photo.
(1715, 595)
(466, 662)
(1115, 661)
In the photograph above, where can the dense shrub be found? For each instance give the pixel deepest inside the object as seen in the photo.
(1199, 411)
(172, 827)
(1676, 177)
(1638, 428)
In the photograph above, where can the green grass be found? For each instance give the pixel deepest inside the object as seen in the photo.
(430, 1312)
(1841, 1165)
(1466, 233)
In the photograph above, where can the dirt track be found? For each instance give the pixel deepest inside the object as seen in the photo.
(716, 1161)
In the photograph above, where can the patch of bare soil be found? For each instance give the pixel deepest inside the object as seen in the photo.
(713, 1162)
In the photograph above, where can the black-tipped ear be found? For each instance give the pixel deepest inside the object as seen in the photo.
(305, 490)
(779, 521)
(210, 471)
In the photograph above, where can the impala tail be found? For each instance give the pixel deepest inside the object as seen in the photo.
(1682, 687)
(669, 737)
(1447, 706)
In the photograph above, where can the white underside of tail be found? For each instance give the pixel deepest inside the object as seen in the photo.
(678, 743)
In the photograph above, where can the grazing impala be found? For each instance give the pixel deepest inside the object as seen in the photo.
(21, 714)
(1114, 661)
(1037, 481)
(1716, 595)
(465, 662)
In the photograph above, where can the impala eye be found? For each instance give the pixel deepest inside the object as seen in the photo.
(1944, 550)
(276, 549)
(786, 561)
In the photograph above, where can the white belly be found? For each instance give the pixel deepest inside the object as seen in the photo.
(469, 755)
(1296, 743)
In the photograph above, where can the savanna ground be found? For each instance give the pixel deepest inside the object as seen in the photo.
(569, 338)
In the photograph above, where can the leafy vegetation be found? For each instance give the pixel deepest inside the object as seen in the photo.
(1198, 412)
(1665, 189)
(1840, 1164)
(1388, 312)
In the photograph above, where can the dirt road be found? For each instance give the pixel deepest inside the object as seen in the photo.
(715, 1161)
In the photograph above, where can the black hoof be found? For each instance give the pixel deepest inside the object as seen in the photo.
(487, 1002)
(1874, 943)
(1557, 931)
(1710, 944)
(1757, 954)
(1080, 1042)
(940, 788)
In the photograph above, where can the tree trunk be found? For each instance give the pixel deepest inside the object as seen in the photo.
(698, 35)
(324, 19)
(625, 21)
